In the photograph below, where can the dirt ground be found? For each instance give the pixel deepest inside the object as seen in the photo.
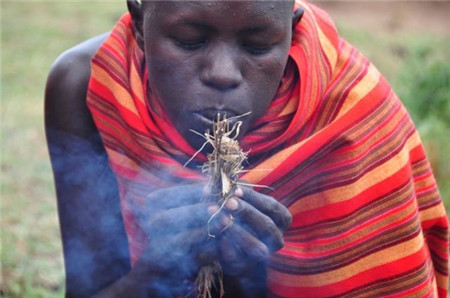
(427, 17)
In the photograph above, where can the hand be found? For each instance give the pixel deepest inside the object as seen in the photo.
(175, 221)
(257, 230)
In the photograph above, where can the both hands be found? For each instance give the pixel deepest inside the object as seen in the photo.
(177, 222)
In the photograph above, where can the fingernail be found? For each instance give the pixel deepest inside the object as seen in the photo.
(232, 204)
(239, 192)
(213, 209)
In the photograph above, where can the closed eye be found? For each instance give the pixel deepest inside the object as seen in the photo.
(257, 50)
(189, 45)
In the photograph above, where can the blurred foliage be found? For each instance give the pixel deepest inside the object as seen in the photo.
(424, 86)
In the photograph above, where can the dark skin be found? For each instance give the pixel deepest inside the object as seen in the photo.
(96, 252)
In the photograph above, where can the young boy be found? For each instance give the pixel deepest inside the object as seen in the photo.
(350, 206)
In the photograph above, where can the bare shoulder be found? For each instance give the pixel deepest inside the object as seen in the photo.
(66, 89)
(86, 188)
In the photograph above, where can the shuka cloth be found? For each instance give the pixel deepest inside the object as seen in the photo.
(339, 150)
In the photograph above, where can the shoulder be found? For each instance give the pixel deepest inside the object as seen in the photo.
(73, 65)
(66, 88)
(78, 57)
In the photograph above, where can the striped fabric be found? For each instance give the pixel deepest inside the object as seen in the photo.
(337, 148)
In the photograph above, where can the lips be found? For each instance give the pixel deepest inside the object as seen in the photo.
(206, 118)
(202, 120)
(212, 114)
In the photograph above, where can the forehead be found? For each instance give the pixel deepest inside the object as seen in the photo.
(221, 12)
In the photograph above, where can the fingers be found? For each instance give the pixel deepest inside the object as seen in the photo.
(238, 242)
(240, 250)
(267, 205)
(257, 223)
(178, 224)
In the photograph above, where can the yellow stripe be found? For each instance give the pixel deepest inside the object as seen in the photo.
(386, 256)
(432, 213)
(356, 235)
(290, 107)
(112, 63)
(361, 89)
(136, 84)
(122, 160)
(266, 167)
(327, 46)
(121, 95)
(115, 44)
(441, 280)
(346, 192)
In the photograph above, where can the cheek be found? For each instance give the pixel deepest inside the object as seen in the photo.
(271, 67)
(170, 74)
(267, 75)
(165, 63)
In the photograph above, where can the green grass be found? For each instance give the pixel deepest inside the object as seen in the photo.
(35, 33)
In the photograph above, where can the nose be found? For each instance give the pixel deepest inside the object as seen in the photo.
(221, 69)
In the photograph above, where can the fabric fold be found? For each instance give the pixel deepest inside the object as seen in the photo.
(340, 151)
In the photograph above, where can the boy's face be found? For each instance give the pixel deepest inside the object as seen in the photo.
(205, 57)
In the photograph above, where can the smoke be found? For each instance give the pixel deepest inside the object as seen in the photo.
(94, 240)
(96, 247)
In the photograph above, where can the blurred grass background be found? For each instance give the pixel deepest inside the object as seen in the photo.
(34, 33)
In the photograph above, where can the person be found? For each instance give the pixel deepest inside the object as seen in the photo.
(338, 198)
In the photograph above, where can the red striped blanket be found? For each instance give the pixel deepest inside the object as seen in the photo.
(340, 152)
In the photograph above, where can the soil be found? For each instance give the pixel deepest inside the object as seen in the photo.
(425, 17)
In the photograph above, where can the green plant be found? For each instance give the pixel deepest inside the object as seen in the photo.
(424, 84)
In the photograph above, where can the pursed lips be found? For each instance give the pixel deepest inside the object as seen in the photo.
(212, 114)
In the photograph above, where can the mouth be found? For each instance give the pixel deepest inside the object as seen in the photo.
(212, 114)
(202, 121)
(209, 116)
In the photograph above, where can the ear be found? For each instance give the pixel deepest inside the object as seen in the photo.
(137, 16)
(296, 17)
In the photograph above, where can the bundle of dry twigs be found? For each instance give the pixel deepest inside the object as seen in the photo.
(223, 168)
